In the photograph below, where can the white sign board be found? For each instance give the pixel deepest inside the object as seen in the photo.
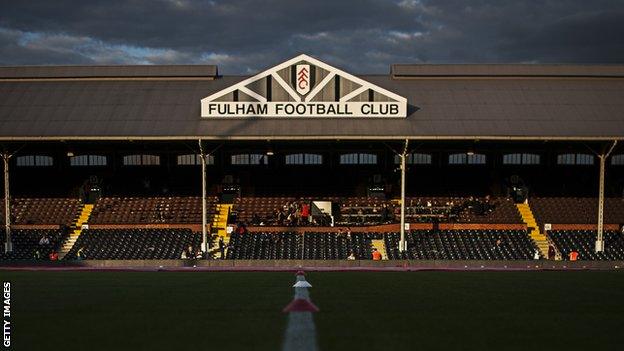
(303, 96)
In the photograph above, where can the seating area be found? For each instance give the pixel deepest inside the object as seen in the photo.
(422, 245)
(60, 211)
(26, 244)
(462, 245)
(461, 210)
(134, 244)
(576, 210)
(583, 242)
(309, 245)
(374, 211)
(141, 210)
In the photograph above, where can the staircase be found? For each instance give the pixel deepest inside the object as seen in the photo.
(219, 223)
(534, 231)
(380, 245)
(73, 236)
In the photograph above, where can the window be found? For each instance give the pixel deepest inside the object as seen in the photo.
(617, 160)
(87, 160)
(575, 159)
(463, 159)
(414, 159)
(356, 158)
(141, 160)
(521, 159)
(194, 159)
(249, 159)
(34, 161)
(304, 159)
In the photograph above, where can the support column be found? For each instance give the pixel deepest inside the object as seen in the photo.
(202, 155)
(600, 236)
(402, 243)
(8, 245)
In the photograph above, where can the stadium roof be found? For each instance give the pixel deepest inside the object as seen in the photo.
(516, 102)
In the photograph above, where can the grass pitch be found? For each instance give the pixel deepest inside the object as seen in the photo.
(359, 310)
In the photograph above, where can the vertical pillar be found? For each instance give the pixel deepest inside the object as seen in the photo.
(600, 240)
(600, 236)
(202, 156)
(402, 244)
(8, 245)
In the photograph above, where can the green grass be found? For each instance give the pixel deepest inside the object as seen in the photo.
(359, 311)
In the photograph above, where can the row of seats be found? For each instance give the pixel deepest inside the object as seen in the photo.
(26, 244)
(139, 210)
(421, 244)
(584, 243)
(309, 246)
(43, 210)
(575, 210)
(134, 244)
(462, 245)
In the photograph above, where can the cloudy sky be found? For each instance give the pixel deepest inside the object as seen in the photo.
(364, 36)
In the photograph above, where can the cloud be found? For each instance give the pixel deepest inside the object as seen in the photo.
(363, 36)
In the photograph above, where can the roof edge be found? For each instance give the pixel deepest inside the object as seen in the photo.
(506, 70)
(112, 71)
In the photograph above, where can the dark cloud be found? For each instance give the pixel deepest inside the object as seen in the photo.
(362, 36)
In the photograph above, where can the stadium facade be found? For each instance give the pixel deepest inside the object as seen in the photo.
(304, 126)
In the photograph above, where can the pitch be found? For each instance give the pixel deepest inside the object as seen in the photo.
(358, 310)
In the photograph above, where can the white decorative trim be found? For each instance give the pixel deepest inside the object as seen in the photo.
(354, 93)
(253, 94)
(320, 86)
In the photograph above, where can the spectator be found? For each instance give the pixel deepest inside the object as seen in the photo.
(376, 255)
(190, 253)
(44, 241)
(222, 248)
(536, 254)
(37, 255)
(183, 256)
(351, 257)
(81, 254)
(53, 256)
(573, 255)
(551, 252)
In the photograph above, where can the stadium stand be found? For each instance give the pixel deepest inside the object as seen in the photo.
(583, 241)
(463, 245)
(134, 210)
(26, 244)
(134, 244)
(576, 210)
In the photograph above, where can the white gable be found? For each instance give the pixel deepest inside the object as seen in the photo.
(298, 94)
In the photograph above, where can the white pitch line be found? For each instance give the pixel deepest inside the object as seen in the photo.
(301, 331)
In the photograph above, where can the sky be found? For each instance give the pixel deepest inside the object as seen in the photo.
(362, 36)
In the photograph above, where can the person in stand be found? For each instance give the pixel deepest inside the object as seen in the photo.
(183, 256)
(376, 255)
(551, 252)
(44, 241)
(81, 254)
(573, 255)
(536, 254)
(222, 248)
(351, 257)
(37, 255)
(53, 256)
